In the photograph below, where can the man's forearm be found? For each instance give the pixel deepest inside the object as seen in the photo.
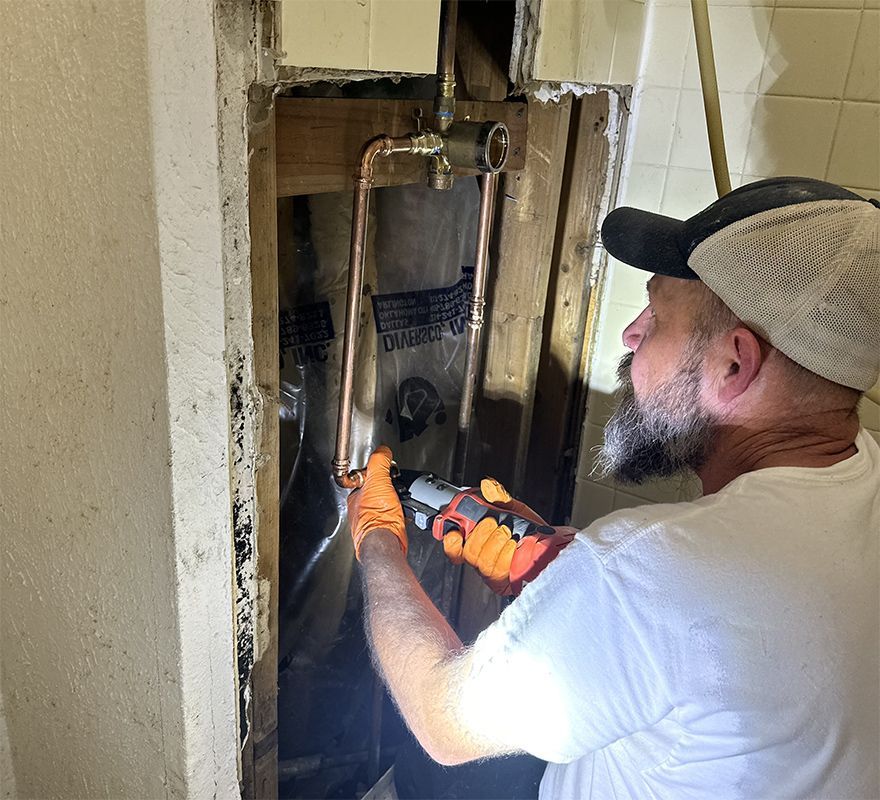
(420, 657)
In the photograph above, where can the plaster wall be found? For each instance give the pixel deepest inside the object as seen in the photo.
(116, 636)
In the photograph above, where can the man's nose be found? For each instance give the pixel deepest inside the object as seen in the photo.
(635, 331)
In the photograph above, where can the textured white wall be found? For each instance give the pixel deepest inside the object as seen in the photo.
(117, 654)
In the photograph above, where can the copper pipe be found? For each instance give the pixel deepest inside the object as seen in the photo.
(444, 101)
(363, 179)
(476, 304)
(446, 51)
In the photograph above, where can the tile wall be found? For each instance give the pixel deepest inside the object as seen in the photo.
(800, 94)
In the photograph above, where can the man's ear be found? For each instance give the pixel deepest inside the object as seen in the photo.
(738, 359)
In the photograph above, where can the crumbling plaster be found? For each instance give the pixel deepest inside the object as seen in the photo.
(118, 674)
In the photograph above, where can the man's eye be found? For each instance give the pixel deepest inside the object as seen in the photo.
(651, 311)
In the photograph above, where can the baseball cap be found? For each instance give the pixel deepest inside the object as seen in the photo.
(796, 259)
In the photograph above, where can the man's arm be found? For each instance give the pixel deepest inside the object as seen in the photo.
(423, 662)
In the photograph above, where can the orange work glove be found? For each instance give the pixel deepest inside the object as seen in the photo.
(375, 506)
(503, 563)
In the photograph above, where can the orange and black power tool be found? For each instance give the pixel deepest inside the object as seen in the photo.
(439, 506)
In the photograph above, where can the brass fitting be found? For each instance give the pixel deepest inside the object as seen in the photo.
(440, 175)
(480, 145)
(425, 143)
(444, 103)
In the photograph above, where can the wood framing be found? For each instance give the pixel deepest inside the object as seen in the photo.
(560, 393)
(528, 203)
(318, 140)
(260, 758)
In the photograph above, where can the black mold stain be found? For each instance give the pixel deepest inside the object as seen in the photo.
(243, 538)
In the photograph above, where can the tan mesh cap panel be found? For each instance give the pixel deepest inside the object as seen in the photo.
(806, 277)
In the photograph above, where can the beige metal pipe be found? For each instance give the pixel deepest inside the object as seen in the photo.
(476, 305)
(711, 101)
(363, 179)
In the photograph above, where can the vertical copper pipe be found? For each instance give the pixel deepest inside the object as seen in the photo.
(363, 180)
(446, 53)
(444, 101)
(476, 304)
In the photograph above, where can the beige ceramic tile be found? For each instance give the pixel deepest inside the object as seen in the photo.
(629, 499)
(737, 116)
(595, 49)
(627, 284)
(591, 501)
(644, 187)
(558, 46)
(654, 123)
(404, 35)
(600, 407)
(656, 491)
(791, 136)
(872, 4)
(868, 194)
(855, 155)
(721, 3)
(615, 319)
(687, 192)
(809, 50)
(869, 415)
(577, 39)
(667, 41)
(864, 74)
(739, 41)
(627, 42)
(608, 352)
(690, 144)
(591, 443)
(743, 180)
(319, 34)
(690, 488)
(830, 4)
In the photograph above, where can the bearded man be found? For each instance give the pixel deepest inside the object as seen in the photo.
(721, 648)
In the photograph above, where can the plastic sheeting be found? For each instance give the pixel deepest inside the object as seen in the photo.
(410, 361)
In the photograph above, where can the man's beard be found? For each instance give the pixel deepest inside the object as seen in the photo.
(665, 434)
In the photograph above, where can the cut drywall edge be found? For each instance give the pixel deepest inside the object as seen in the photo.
(555, 91)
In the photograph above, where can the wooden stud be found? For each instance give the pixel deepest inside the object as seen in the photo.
(482, 51)
(559, 396)
(318, 140)
(520, 267)
(262, 772)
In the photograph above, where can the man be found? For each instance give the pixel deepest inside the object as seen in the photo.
(722, 648)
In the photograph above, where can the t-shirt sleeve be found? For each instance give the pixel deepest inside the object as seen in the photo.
(572, 664)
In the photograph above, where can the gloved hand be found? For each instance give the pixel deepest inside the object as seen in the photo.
(375, 505)
(503, 563)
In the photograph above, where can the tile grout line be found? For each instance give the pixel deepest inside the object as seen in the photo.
(758, 94)
(852, 58)
(668, 165)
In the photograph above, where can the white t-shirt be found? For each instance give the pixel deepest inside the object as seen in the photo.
(725, 648)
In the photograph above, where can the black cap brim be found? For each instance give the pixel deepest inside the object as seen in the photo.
(663, 245)
(647, 241)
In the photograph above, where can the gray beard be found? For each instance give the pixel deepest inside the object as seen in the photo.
(667, 434)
